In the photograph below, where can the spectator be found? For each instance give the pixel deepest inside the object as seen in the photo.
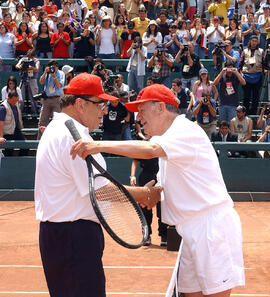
(251, 65)
(190, 65)
(84, 41)
(180, 6)
(79, 9)
(53, 80)
(59, 42)
(12, 86)
(265, 137)
(158, 6)
(23, 40)
(65, 8)
(33, 3)
(151, 38)
(249, 29)
(4, 9)
(220, 8)
(163, 25)
(149, 81)
(132, 8)
(43, 38)
(106, 38)
(224, 134)
(198, 35)
(27, 19)
(9, 24)
(183, 32)
(264, 118)
(49, 7)
(205, 112)
(43, 17)
(70, 28)
(11, 122)
(229, 79)
(186, 98)
(242, 125)
(123, 11)
(69, 73)
(17, 16)
(263, 22)
(162, 63)
(127, 38)
(242, 6)
(233, 34)
(96, 12)
(120, 25)
(173, 41)
(6, 47)
(215, 33)
(136, 64)
(121, 86)
(244, 17)
(109, 5)
(141, 22)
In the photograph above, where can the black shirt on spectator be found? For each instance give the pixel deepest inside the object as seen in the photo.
(194, 69)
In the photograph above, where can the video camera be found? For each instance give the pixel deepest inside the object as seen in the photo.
(267, 110)
(218, 47)
(109, 83)
(51, 69)
(25, 63)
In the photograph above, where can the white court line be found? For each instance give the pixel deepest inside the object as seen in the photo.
(106, 267)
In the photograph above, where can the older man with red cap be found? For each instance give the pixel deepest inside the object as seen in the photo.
(195, 198)
(71, 239)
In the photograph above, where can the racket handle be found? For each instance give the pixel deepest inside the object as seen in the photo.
(73, 130)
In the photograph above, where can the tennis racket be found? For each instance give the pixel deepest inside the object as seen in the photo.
(116, 209)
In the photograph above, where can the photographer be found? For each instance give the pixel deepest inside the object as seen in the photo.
(205, 112)
(100, 70)
(162, 63)
(264, 118)
(190, 65)
(265, 138)
(29, 67)
(53, 80)
(136, 64)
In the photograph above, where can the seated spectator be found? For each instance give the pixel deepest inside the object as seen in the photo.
(151, 38)
(242, 125)
(141, 22)
(248, 29)
(127, 38)
(229, 79)
(162, 63)
(11, 122)
(190, 65)
(43, 38)
(204, 84)
(59, 42)
(163, 24)
(185, 97)
(233, 34)
(136, 64)
(6, 47)
(198, 35)
(11, 85)
(23, 40)
(173, 41)
(224, 134)
(205, 112)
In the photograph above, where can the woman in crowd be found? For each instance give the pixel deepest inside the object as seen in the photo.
(9, 24)
(71, 32)
(23, 40)
(203, 84)
(27, 19)
(18, 14)
(198, 34)
(106, 38)
(93, 23)
(248, 8)
(11, 86)
(182, 32)
(43, 17)
(6, 47)
(43, 38)
(233, 34)
(120, 27)
(151, 38)
(123, 11)
(109, 5)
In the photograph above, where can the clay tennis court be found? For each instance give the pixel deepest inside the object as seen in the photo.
(142, 272)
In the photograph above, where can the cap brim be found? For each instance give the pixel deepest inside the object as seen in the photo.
(107, 97)
(133, 106)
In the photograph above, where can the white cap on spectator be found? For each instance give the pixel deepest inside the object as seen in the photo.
(66, 69)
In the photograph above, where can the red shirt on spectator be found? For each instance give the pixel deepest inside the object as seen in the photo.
(49, 9)
(60, 50)
(24, 46)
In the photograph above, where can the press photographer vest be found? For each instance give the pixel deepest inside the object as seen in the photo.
(257, 66)
(9, 123)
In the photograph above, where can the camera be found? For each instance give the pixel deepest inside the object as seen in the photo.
(136, 45)
(205, 100)
(109, 83)
(99, 67)
(51, 69)
(267, 110)
(218, 47)
(159, 53)
(185, 49)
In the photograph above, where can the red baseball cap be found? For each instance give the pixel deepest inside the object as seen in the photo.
(88, 84)
(95, 1)
(155, 92)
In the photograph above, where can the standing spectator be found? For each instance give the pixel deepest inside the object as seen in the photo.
(220, 8)
(141, 22)
(79, 9)
(26, 17)
(84, 41)
(53, 80)
(248, 9)
(120, 27)
(224, 134)
(4, 8)
(198, 35)
(251, 65)
(9, 24)
(249, 29)
(43, 39)
(158, 6)
(23, 40)
(132, 8)
(205, 112)
(136, 64)
(162, 63)
(127, 38)
(173, 40)
(65, 8)
(49, 7)
(59, 42)
(6, 47)
(263, 22)
(183, 32)
(163, 25)
(70, 29)
(109, 5)
(43, 17)
(204, 84)
(192, 9)
(242, 4)
(18, 14)
(151, 38)
(11, 86)
(233, 34)
(11, 122)
(190, 65)
(214, 33)
(180, 6)
(242, 125)
(97, 13)
(123, 11)
(229, 79)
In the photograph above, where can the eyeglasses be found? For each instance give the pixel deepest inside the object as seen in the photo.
(101, 104)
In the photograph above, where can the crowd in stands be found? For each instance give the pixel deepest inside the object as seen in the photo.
(154, 36)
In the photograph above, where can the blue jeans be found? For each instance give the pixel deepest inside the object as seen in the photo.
(198, 50)
(211, 46)
(135, 82)
(127, 133)
(106, 56)
(189, 82)
(227, 112)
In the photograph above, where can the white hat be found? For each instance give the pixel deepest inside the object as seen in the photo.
(153, 22)
(66, 69)
(106, 17)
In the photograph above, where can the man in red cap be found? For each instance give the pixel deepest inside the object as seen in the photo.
(195, 197)
(71, 239)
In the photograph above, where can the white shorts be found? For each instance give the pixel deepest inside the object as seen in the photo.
(212, 258)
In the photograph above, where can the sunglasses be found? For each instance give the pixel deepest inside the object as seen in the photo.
(101, 104)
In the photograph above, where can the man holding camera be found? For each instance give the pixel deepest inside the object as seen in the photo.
(162, 63)
(190, 65)
(264, 118)
(53, 80)
(205, 112)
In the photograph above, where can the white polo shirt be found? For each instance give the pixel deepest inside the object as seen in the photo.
(215, 37)
(61, 184)
(190, 174)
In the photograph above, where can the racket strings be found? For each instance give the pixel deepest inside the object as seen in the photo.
(120, 214)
